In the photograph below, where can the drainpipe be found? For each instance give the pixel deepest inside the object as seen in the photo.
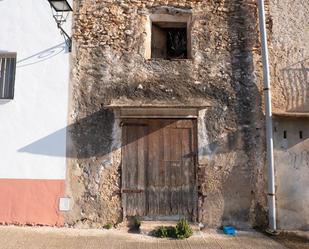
(269, 125)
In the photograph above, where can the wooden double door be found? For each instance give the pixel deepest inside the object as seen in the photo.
(158, 168)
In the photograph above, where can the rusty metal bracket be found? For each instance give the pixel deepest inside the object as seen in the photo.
(132, 190)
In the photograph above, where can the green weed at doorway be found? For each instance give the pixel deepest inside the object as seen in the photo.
(182, 230)
(108, 226)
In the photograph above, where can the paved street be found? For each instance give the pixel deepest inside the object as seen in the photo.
(51, 238)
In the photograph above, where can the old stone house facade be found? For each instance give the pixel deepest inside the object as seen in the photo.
(165, 114)
(144, 122)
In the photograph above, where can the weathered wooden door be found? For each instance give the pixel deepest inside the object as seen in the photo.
(158, 168)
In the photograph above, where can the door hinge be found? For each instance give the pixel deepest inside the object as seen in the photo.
(132, 190)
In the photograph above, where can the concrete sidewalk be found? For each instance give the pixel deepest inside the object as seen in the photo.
(12, 237)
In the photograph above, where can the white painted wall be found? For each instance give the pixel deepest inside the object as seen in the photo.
(292, 173)
(32, 126)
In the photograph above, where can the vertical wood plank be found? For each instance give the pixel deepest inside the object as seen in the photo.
(167, 167)
(124, 161)
(193, 177)
(153, 168)
(133, 166)
(175, 170)
(142, 151)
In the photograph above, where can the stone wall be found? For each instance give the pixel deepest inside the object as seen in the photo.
(109, 68)
(289, 53)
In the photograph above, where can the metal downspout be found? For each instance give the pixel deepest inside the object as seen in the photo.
(268, 117)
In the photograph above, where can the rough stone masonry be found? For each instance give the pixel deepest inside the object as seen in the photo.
(109, 68)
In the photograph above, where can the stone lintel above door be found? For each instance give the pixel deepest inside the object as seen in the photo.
(156, 112)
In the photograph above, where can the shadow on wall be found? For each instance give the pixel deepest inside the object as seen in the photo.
(290, 132)
(85, 133)
(240, 191)
(92, 137)
(42, 55)
(295, 86)
(51, 145)
(291, 144)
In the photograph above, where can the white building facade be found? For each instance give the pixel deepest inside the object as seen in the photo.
(34, 117)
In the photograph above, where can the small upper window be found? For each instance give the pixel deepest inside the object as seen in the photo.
(168, 34)
(7, 75)
(169, 40)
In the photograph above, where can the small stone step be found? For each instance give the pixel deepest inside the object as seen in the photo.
(148, 226)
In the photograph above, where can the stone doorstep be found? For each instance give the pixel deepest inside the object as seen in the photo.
(295, 233)
(148, 226)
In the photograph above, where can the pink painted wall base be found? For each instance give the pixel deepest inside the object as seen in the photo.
(27, 201)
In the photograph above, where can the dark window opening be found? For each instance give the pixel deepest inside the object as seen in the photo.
(301, 135)
(7, 75)
(169, 40)
(284, 134)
